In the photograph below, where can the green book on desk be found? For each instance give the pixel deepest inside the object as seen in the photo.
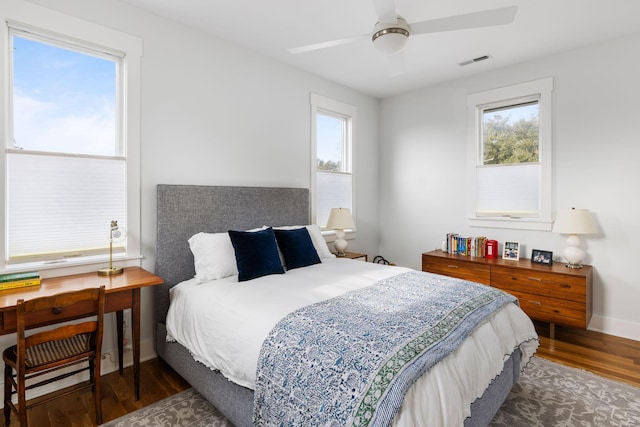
(14, 277)
(19, 280)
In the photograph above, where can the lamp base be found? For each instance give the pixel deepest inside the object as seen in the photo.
(110, 271)
(573, 253)
(570, 265)
(340, 244)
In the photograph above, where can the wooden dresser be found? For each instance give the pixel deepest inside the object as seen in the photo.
(554, 294)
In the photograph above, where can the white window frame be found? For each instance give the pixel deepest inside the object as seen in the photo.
(541, 89)
(321, 104)
(27, 17)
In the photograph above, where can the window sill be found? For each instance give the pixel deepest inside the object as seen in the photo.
(511, 223)
(72, 266)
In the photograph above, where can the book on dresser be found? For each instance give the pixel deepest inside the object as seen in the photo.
(549, 293)
(19, 280)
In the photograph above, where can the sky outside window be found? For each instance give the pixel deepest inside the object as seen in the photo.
(63, 101)
(515, 113)
(330, 141)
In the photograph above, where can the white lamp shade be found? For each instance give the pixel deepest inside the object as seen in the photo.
(574, 221)
(340, 219)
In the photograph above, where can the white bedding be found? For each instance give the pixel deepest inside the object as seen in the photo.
(223, 323)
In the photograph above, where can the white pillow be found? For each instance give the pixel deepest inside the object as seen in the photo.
(316, 237)
(213, 255)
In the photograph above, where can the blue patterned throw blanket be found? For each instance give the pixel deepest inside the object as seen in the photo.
(351, 359)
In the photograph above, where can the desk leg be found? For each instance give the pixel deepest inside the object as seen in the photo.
(120, 332)
(135, 327)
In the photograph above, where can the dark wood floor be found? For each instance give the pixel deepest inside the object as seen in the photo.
(157, 381)
(605, 355)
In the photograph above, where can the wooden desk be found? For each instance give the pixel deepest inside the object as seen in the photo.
(121, 292)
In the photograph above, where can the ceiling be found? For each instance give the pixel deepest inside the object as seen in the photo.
(540, 28)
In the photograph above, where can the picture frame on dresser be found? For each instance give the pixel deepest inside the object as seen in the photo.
(541, 257)
(511, 251)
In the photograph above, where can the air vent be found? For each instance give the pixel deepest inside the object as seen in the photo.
(474, 60)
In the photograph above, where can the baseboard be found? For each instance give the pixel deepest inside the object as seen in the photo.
(110, 357)
(109, 364)
(617, 327)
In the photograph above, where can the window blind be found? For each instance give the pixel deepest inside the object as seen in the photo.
(509, 190)
(60, 206)
(334, 191)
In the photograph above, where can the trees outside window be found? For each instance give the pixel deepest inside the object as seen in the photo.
(510, 156)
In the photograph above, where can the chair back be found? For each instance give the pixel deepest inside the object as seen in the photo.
(85, 303)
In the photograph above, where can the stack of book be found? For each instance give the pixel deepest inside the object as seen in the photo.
(19, 280)
(467, 246)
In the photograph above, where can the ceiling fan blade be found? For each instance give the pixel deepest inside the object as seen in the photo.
(397, 64)
(386, 10)
(485, 18)
(323, 45)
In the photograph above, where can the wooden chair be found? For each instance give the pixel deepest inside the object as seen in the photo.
(48, 351)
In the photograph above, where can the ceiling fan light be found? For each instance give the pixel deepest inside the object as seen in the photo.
(390, 38)
(389, 43)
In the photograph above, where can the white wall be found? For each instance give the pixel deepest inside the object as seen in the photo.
(213, 113)
(596, 149)
(217, 114)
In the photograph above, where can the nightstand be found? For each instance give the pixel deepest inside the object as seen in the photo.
(354, 255)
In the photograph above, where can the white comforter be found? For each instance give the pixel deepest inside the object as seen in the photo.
(224, 322)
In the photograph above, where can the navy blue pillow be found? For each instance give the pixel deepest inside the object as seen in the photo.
(297, 248)
(256, 253)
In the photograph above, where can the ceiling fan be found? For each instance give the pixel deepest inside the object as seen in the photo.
(391, 32)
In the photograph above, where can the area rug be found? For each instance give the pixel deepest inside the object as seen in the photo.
(547, 394)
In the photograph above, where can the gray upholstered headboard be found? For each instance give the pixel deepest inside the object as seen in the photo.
(184, 210)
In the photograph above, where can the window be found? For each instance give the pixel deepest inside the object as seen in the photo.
(72, 165)
(509, 169)
(510, 148)
(64, 158)
(332, 177)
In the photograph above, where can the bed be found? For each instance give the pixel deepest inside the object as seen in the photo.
(184, 211)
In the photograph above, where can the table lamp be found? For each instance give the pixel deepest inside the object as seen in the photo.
(116, 234)
(340, 219)
(573, 222)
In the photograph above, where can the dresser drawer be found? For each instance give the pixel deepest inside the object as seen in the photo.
(541, 283)
(455, 268)
(552, 294)
(552, 310)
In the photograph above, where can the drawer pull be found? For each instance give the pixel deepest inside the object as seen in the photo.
(534, 302)
(537, 279)
(452, 266)
(56, 310)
